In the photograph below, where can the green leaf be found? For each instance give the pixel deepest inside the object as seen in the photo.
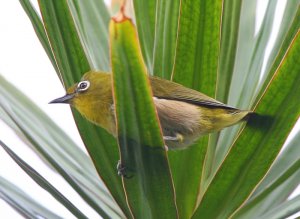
(64, 40)
(196, 64)
(287, 157)
(228, 47)
(166, 28)
(250, 75)
(258, 145)
(145, 21)
(196, 60)
(244, 60)
(41, 181)
(279, 183)
(187, 167)
(248, 65)
(23, 203)
(91, 19)
(149, 189)
(73, 63)
(288, 30)
(285, 210)
(229, 38)
(269, 202)
(211, 46)
(157, 24)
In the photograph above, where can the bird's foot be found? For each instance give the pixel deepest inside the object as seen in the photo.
(178, 137)
(122, 170)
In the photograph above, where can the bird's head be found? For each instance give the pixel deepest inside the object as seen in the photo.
(93, 87)
(92, 96)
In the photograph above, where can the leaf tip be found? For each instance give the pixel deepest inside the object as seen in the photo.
(121, 17)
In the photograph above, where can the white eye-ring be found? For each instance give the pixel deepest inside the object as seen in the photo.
(83, 86)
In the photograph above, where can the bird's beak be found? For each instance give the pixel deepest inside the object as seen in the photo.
(64, 99)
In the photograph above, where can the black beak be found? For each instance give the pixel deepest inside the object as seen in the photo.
(64, 99)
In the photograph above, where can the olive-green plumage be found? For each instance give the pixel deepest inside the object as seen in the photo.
(184, 114)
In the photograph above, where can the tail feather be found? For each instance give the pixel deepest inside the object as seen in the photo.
(248, 115)
(239, 116)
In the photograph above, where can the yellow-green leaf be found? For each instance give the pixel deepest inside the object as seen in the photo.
(149, 187)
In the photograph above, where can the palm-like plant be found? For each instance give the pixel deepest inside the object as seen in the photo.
(211, 46)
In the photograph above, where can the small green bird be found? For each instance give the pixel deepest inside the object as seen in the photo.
(184, 114)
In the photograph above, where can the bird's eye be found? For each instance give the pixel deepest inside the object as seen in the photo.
(83, 86)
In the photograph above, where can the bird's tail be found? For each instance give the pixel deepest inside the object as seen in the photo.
(238, 116)
(248, 115)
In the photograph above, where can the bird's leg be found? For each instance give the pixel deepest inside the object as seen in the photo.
(178, 137)
(122, 170)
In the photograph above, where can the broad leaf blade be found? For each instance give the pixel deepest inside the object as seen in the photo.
(196, 64)
(288, 29)
(166, 32)
(157, 24)
(251, 73)
(245, 49)
(149, 189)
(262, 198)
(145, 13)
(287, 32)
(279, 183)
(288, 156)
(92, 19)
(73, 63)
(196, 60)
(227, 70)
(259, 143)
(228, 45)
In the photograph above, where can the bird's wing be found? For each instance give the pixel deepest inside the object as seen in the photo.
(170, 90)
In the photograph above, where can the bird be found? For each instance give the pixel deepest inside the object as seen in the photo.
(184, 114)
